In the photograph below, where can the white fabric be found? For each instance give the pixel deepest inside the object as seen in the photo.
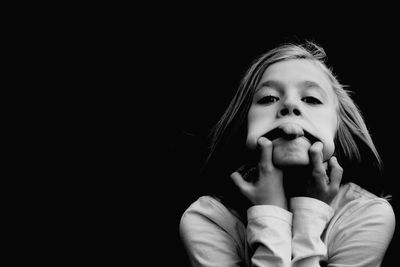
(355, 230)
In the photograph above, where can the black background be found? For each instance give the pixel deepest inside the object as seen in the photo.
(174, 75)
(198, 67)
(124, 98)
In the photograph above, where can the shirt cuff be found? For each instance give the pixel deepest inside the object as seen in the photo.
(259, 211)
(313, 205)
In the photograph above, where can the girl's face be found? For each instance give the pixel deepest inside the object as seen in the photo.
(296, 100)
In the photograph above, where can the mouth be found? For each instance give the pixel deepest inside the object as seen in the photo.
(287, 134)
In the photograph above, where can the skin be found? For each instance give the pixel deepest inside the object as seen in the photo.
(295, 96)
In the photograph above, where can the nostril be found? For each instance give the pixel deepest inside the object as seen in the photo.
(296, 112)
(284, 111)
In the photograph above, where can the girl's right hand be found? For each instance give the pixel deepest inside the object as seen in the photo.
(268, 188)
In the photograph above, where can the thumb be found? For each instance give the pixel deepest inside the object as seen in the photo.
(243, 185)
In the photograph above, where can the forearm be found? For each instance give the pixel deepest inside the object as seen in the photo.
(269, 235)
(310, 217)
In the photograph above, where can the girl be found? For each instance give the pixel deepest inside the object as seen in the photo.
(280, 188)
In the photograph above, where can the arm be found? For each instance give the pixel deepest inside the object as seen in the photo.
(359, 237)
(269, 221)
(310, 219)
(269, 235)
(207, 243)
(312, 212)
(211, 238)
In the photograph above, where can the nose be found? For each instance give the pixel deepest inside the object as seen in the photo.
(289, 107)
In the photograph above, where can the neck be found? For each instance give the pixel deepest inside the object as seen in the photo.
(296, 179)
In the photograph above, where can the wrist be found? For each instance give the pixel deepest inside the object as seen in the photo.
(272, 199)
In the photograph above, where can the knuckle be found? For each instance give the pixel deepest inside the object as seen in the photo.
(313, 150)
(317, 173)
(264, 167)
(339, 168)
(244, 190)
(334, 190)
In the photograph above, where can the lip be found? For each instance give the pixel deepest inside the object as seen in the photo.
(279, 133)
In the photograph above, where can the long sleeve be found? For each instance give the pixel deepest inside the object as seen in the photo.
(269, 235)
(213, 236)
(310, 217)
(361, 234)
(354, 231)
(357, 235)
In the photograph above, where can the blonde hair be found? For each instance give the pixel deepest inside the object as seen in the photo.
(229, 130)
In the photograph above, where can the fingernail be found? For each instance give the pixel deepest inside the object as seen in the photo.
(319, 145)
(263, 140)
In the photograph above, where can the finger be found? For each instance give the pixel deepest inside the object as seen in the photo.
(316, 158)
(336, 172)
(318, 170)
(240, 182)
(266, 153)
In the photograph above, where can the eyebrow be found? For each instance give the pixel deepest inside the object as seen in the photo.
(270, 83)
(306, 84)
(309, 84)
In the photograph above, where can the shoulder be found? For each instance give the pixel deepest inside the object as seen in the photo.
(361, 228)
(208, 208)
(351, 194)
(212, 233)
(209, 214)
(353, 203)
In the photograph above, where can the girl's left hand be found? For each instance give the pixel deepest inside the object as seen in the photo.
(321, 186)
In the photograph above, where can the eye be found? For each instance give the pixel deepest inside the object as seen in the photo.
(267, 99)
(311, 100)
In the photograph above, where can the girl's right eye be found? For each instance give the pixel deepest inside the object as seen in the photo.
(267, 99)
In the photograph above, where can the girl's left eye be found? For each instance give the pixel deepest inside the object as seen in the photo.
(311, 100)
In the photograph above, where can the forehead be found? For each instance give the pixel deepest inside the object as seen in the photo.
(297, 70)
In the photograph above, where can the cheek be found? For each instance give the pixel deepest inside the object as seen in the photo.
(252, 129)
(253, 133)
(258, 124)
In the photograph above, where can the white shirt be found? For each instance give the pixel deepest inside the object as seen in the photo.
(354, 230)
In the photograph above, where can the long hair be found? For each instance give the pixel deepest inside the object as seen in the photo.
(355, 149)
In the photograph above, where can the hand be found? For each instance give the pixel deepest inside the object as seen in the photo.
(268, 188)
(320, 186)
